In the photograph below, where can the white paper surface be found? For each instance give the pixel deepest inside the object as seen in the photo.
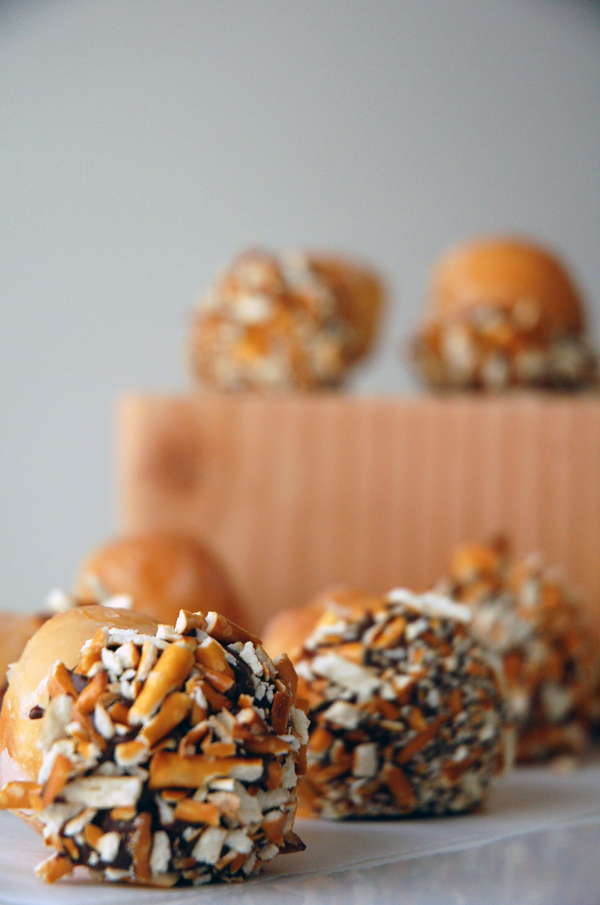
(538, 840)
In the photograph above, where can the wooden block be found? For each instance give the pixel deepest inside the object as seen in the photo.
(296, 492)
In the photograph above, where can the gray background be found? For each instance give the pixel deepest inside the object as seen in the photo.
(143, 143)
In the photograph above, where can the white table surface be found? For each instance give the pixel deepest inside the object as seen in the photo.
(537, 841)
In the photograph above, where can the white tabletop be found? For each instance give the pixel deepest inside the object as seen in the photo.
(537, 841)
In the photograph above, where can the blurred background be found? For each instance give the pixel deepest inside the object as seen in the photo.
(143, 143)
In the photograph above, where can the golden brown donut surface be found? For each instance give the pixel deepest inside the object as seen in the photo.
(360, 293)
(290, 320)
(15, 631)
(504, 311)
(505, 271)
(58, 639)
(162, 572)
(153, 754)
(286, 631)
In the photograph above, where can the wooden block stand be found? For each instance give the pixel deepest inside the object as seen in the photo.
(296, 492)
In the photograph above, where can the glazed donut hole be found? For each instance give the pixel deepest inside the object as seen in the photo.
(406, 708)
(530, 615)
(503, 312)
(155, 755)
(283, 321)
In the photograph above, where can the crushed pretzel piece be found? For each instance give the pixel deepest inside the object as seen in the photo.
(18, 795)
(57, 717)
(129, 754)
(220, 681)
(193, 738)
(228, 632)
(173, 795)
(267, 744)
(174, 709)
(120, 814)
(197, 812)
(275, 775)
(91, 653)
(92, 834)
(287, 673)
(320, 740)
(70, 848)
(57, 780)
(148, 658)
(86, 730)
(216, 700)
(190, 622)
(141, 846)
(91, 694)
(117, 711)
(390, 634)
(293, 843)
(61, 682)
(211, 654)
(169, 770)
(353, 651)
(399, 786)
(273, 827)
(219, 749)
(168, 675)
(248, 719)
(280, 712)
(53, 868)
(104, 791)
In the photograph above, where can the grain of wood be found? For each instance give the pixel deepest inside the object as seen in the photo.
(297, 492)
